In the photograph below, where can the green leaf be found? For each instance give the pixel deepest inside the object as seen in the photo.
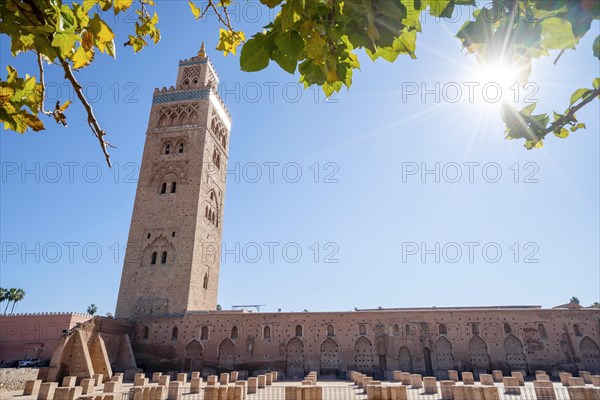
(528, 110)
(596, 47)
(65, 42)
(578, 95)
(596, 83)
(562, 133)
(290, 42)
(255, 54)
(557, 33)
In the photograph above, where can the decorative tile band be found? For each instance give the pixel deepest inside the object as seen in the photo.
(170, 97)
(193, 61)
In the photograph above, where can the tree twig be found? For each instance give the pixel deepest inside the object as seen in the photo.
(92, 121)
(570, 115)
(41, 66)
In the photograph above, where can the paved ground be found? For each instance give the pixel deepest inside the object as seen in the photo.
(338, 390)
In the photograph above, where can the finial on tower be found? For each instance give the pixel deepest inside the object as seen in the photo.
(202, 52)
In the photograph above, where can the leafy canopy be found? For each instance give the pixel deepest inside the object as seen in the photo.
(318, 39)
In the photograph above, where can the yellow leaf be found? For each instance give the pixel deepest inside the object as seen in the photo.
(195, 10)
(82, 57)
(121, 5)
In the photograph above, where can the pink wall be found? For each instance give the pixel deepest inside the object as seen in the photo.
(32, 335)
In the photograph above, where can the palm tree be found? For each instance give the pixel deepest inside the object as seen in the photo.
(92, 309)
(3, 294)
(10, 296)
(19, 295)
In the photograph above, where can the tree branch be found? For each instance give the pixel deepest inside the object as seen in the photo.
(92, 121)
(41, 66)
(570, 115)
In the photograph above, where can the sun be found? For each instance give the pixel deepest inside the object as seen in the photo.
(499, 81)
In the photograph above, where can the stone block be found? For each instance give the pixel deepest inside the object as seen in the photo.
(542, 377)
(415, 381)
(98, 379)
(212, 380)
(195, 374)
(175, 390)
(112, 387)
(497, 376)
(67, 393)
(467, 378)
(398, 393)
(405, 378)
(396, 376)
(156, 377)
(447, 389)
(233, 376)
(564, 378)
(511, 385)
(491, 393)
(486, 379)
(269, 378)
(595, 380)
(519, 376)
(32, 388)
(574, 382)
(544, 390)
(164, 380)
(182, 377)
(262, 381)
(252, 385)
(137, 381)
(222, 392)
(47, 390)
(453, 375)
(224, 378)
(586, 376)
(87, 386)
(429, 385)
(69, 381)
(195, 385)
(211, 393)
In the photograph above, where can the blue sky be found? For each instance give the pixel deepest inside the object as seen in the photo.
(361, 199)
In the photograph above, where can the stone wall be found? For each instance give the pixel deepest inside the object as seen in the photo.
(427, 341)
(15, 378)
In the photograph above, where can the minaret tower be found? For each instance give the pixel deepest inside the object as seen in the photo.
(172, 258)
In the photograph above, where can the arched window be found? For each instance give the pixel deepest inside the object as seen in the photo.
(153, 258)
(168, 149)
(205, 285)
(542, 332)
(181, 146)
(204, 333)
(475, 329)
(267, 333)
(299, 330)
(330, 330)
(162, 122)
(577, 330)
(407, 329)
(396, 330)
(362, 329)
(443, 330)
(507, 329)
(163, 188)
(145, 332)
(195, 82)
(174, 333)
(186, 82)
(234, 333)
(163, 258)
(173, 187)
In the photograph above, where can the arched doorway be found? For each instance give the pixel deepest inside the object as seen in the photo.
(480, 359)
(428, 364)
(515, 357)
(363, 355)
(193, 356)
(226, 355)
(294, 358)
(405, 360)
(443, 354)
(330, 358)
(590, 354)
